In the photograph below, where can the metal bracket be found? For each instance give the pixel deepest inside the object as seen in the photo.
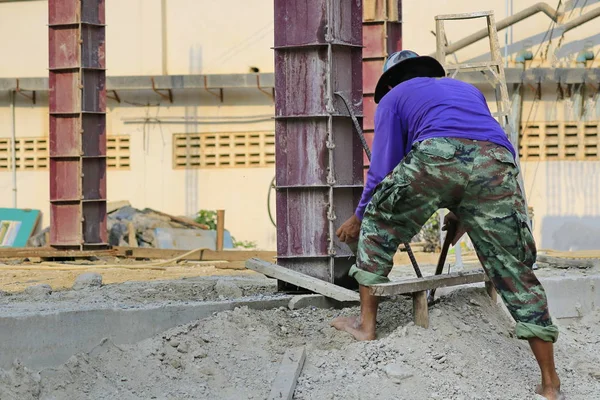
(218, 96)
(537, 90)
(560, 91)
(115, 96)
(21, 92)
(168, 96)
(269, 95)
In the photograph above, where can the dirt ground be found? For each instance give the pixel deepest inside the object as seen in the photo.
(468, 353)
(18, 280)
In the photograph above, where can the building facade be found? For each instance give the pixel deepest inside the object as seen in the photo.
(190, 110)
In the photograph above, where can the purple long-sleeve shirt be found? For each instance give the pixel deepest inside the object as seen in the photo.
(423, 108)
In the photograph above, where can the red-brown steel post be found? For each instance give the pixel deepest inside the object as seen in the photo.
(382, 35)
(318, 53)
(77, 102)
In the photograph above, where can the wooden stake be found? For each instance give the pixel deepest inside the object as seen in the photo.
(132, 237)
(420, 309)
(220, 229)
(491, 291)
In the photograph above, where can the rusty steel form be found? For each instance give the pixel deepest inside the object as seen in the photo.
(382, 35)
(77, 102)
(319, 175)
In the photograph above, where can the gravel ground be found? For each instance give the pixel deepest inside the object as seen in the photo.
(468, 353)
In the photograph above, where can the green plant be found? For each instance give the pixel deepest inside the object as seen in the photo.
(430, 233)
(207, 217)
(244, 243)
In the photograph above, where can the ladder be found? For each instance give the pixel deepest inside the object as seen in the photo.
(495, 67)
(492, 70)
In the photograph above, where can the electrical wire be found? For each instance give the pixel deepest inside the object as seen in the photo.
(550, 28)
(533, 106)
(545, 56)
(271, 187)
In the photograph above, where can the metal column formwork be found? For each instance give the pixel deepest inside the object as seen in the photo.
(318, 154)
(77, 101)
(382, 35)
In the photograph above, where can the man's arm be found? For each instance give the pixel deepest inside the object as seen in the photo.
(386, 154)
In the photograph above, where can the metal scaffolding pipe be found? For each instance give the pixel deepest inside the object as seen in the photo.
(553, 14)
(163, 34)
(13, 146)
(574, 23)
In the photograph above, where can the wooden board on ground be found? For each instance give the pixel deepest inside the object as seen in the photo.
(49, 252)
(304, 281)
(570, 254)
(427, 283)
(284, 384)
(200, 255)
(562, 262)
(181, 220)
(239, 265)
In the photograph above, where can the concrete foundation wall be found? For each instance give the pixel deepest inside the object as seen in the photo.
(49, 339)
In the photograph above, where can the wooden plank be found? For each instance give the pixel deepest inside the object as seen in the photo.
(200, 255)
(570, 254)
(449, 17)
(239, 265)
(70, 267)
(427, 283)
(181, 220)
(560, 262)
(115, 205)
(304, 281)
(49, 252)
(284, 384)
(420, 309)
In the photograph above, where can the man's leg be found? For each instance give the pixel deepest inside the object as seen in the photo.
(494, 214)
(544, 354)
(363, 326)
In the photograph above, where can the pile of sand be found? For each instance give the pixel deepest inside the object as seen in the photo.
(468, 353)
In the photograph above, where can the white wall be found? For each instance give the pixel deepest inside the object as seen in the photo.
(244, 30)
(564, 195)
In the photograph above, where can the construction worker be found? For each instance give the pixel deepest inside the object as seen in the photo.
(438, 146)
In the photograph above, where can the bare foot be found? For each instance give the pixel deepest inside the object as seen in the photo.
(353, 327)
(550, 392)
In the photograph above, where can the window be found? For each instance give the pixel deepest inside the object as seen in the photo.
(32, 153)
(551, 141)
(118, 152)
(224, 150)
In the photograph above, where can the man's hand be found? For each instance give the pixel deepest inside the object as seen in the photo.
(451, 218)
(349, 230)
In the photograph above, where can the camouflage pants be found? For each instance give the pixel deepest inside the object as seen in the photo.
(477, 181)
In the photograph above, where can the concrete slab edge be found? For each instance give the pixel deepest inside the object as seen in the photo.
(48, 340)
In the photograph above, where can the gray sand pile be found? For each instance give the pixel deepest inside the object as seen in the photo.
(468, 353)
